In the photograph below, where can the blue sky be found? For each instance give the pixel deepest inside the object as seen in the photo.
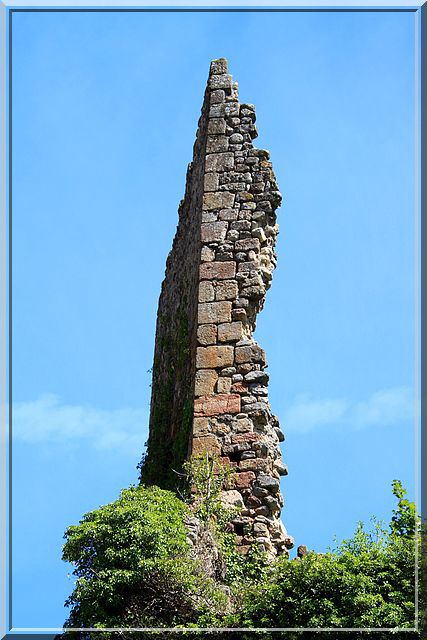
(105, 109)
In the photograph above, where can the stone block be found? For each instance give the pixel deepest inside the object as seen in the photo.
(214, 357)
(281, 468)
(215, 144)
(213, 231)
(207, 254)
(248, 266)
(205, 382)
(216, 126)
(252, 353)
(223, 385)
(245, 437)
(219, 161)
(260, 529)
(206, 291)
(244, 479)
(232, 499)
(219, 66)
(221, 81)
(230, 331)
(217, 96)
(226, 290)
(206, 334)
(219, 200)
(238, 387)
(268, 482)
(217, 270)
(206, 443)
(248, 465)
(214, 312)
(208, 216)
(211, 182)
(216, 405)
(200, 427)
(257, 376)
(228, 214)
(247, 244)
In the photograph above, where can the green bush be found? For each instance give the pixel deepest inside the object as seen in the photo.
(367, 581)
(133, 566)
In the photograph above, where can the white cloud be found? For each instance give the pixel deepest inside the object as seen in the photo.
(46, 419)
(383, 408)
(306, 413)
(125, 430)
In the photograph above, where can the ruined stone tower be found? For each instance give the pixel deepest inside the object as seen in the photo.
(209, 389)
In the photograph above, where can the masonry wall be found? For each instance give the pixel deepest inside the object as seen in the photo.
(174, 368)
(210, 385)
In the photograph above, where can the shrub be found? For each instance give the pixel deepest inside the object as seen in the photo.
(367, 581)
(133, 565)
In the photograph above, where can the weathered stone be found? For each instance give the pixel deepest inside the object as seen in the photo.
(211, 181)
(257, 376)
(245, 437)
(206, 334)
(260, 529)
(216, 126)
(246, 245)
(217, 96)
(232, 499)
(281, 468)
(206, 443)
(268, 482)
(217, 270)
(207, 254)
(216, 144)
(218, 200)
(228, 214)
(223, 385)
(226, 290)
(205, 382)
(236, 138)
(244, 479)
(214, 312)
(219, 66)
(214, 357)
(228, 371)
(227, 222)
(200, 427)
(216, 404)
(206, 292)
(252, 353)
(221, 81)
(219, 161)
(230, 331)
(213, 231)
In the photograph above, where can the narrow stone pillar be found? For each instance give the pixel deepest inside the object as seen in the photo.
(209, 390)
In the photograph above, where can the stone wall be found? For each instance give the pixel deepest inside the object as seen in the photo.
(217, 275)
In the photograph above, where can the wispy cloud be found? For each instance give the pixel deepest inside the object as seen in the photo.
(382, 408)
(47, 419)
(125, 430)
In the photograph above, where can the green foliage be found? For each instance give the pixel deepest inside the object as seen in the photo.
(133, 569)
(208, 476)
(367, 581)
(133, 566)
(404, 522)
